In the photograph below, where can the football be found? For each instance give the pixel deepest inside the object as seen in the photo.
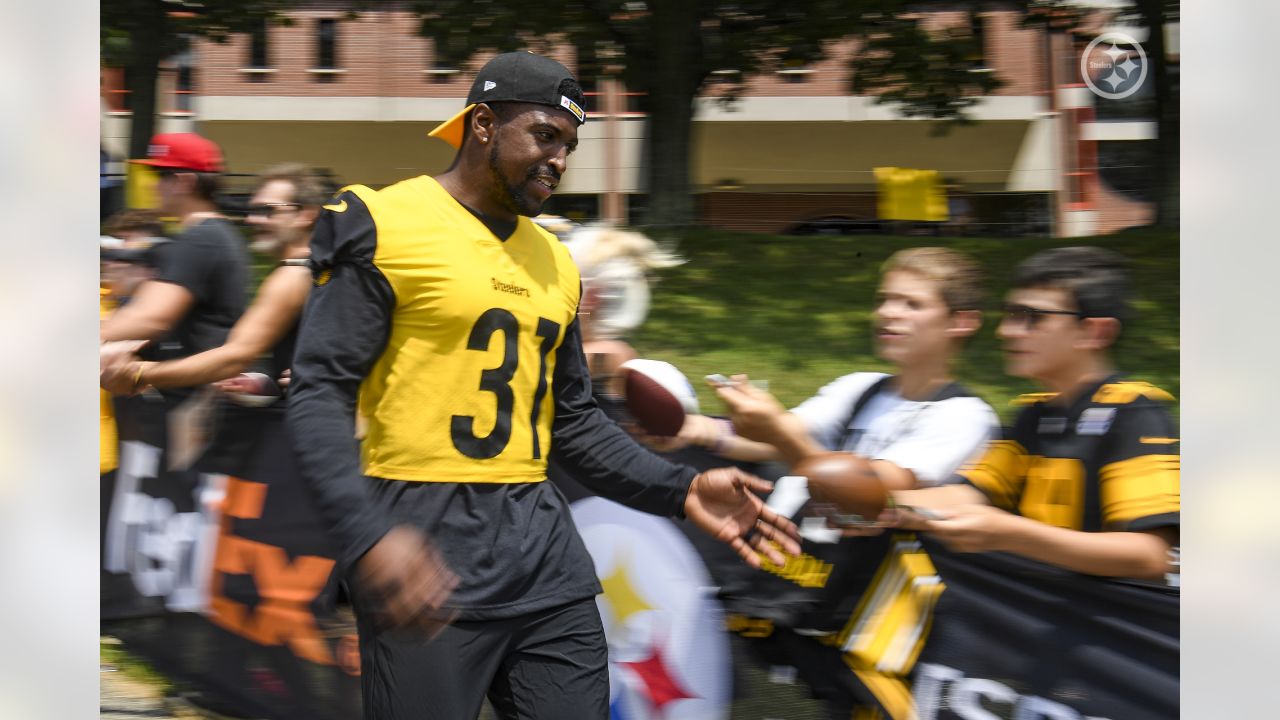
(657, 396)
(259, 391)
(847, 482)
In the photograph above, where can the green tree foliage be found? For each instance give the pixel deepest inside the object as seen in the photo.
(934, 75)
(669, 50)
(139, 34)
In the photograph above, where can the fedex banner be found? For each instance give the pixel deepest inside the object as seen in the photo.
(222, 576)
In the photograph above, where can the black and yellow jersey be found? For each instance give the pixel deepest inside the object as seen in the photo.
(459, 341)
(1107, 461)
(460, 393)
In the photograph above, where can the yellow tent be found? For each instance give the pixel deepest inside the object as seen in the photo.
(909, 194)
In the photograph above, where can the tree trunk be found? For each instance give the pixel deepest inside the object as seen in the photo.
(147, 42)
(671, 82)
(667, 159)
(1167, 161)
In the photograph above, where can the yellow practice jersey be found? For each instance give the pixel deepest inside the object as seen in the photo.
(462, 392)
(455, 338)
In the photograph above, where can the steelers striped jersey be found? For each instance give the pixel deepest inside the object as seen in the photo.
(1106, 461)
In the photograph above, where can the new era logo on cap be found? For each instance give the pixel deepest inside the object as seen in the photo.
(489, 85)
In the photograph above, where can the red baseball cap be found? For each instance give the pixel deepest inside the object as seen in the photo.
(185, 151)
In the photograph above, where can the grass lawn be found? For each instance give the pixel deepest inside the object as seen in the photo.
(111, 652)
(796, 311)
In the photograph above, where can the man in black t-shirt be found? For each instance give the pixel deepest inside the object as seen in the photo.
(199, 288)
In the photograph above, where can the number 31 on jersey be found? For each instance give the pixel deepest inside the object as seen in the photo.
(498, 381)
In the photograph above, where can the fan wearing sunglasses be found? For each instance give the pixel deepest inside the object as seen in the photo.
(281, 215)
(1088, 479)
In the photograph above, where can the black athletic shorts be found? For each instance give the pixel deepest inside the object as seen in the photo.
(550, 664)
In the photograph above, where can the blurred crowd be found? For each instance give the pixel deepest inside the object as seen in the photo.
(1085, 480)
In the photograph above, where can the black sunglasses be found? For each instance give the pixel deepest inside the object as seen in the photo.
(1031, 317)
(166, 173)
(266, 210)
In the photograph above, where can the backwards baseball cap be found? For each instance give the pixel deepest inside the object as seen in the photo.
(513, 77)
(183, 151)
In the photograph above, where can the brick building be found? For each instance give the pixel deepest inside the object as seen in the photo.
(357, 96)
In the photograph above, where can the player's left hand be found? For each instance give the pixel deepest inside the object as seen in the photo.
(972, 528)
(721, 501)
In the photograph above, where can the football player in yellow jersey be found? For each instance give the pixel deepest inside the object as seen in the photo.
(449, 319)
(1088, 479)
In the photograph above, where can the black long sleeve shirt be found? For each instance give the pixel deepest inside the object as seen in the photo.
(513, 545)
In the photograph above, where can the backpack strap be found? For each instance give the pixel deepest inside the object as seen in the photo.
(847, 428)
(946, 392)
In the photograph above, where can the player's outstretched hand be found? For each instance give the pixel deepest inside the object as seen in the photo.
(409, 581)
(721, 502)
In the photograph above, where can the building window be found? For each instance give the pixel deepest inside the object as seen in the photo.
(1128, 168)
(795, 67)
(184, 87)
(726, 75)
(115, 89)
(978, 34)
(177, 85)
(327, 43)
(795, 74)
(258, 47)
(441, 73)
